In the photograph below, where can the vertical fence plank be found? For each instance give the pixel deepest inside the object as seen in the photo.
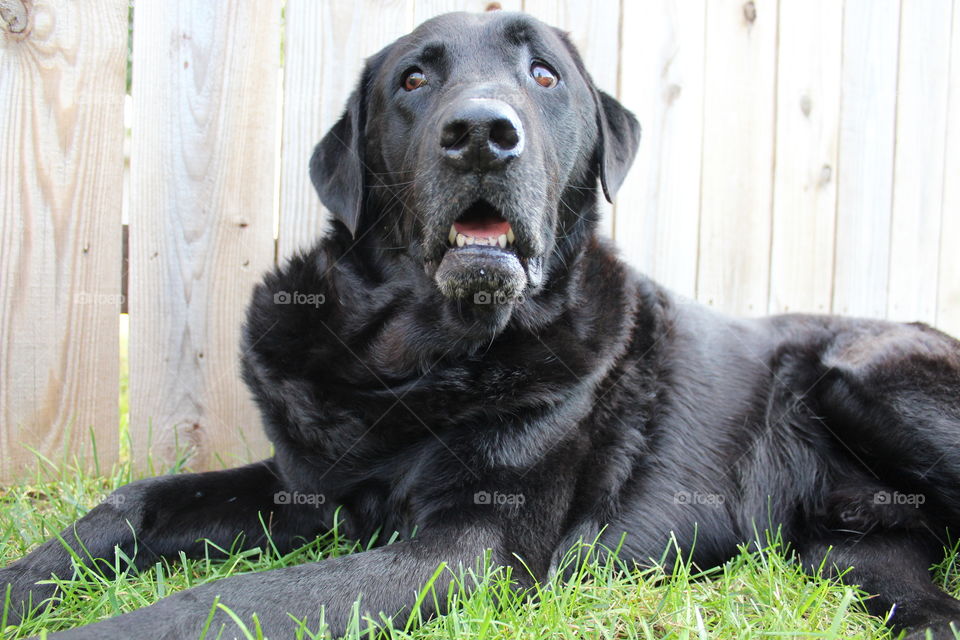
(202, 178)
(307, 113)
(808, 119)
(918, 162)
(865, 160)
(594, 28)
(426, 9)
(658, 208)
(61, 169)
(325, 46)
(738, 147)
(948, 305)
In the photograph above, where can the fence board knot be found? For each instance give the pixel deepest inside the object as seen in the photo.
(15, 14)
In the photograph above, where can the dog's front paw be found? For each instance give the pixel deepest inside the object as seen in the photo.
(20, 593)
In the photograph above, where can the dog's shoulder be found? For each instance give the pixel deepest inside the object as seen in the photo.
(301, 304)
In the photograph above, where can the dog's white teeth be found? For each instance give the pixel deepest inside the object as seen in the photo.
(462, 240)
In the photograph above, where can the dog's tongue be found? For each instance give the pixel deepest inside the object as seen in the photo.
(484, 228)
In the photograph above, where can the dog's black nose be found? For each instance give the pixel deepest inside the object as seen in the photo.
(481, 134)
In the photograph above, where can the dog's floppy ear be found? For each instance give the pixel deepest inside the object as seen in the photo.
(618, 132)
(619, 138)
(337, 165)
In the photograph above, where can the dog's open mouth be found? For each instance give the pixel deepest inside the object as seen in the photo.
(481, 262)
(481, 224)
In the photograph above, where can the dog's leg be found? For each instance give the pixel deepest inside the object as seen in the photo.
(893, 398)
(387, 579)
(160, 517)
(893, 567)
(890, 394)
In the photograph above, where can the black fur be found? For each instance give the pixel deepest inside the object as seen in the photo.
(586, 401)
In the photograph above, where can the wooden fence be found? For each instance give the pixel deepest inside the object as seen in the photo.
(797, 155)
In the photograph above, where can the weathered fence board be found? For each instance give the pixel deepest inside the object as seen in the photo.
(948, 303)
(865, 164)
(738, 152)
(809, 54)
(658, 208)
(61, 181)
(426, 9)
(918, 163)
(202, 180)
(308, 33)
(325, 47)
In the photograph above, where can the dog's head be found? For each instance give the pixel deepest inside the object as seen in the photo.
(475, 144)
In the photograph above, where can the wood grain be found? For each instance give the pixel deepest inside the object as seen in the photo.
(738, 154)
(658, 208)
(202, 179)
(918, 163)
(809, 61)
(426, 9)
(865, 160)
(948, 304)
(62, 67)
(326, 44)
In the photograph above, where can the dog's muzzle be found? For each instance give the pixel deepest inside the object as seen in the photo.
(481, 136)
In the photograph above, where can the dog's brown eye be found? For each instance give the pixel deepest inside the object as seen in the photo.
(543, 75)
(414, 80)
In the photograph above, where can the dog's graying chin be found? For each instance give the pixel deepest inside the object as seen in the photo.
(484, 176)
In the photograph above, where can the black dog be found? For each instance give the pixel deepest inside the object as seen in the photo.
(478, 372)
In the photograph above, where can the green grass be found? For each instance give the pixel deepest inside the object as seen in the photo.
(754, 595)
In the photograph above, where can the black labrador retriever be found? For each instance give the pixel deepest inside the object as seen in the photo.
(462, 361)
